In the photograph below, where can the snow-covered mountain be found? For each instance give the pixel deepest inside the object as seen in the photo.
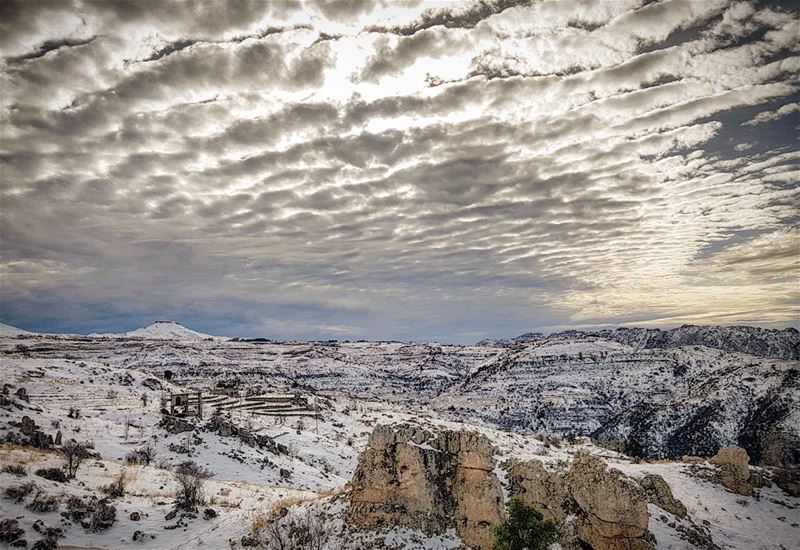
(8, 331)
(161, 330)
(784, 344)
(656, 401)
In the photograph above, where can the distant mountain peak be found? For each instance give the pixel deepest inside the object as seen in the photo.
(160, 330)
(167, 330)
(9, 331)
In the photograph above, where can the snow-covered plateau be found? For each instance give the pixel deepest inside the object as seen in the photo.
(284, 427)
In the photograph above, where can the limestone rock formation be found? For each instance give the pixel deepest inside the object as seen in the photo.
(734, 469)
(614, 507)
(410, 477)
(544, 489)
(659, 493)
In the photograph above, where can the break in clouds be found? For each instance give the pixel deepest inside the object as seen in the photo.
(398, 170)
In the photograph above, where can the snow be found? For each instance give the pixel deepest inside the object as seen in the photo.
(357, 386)
(160, 330)
(7, 331)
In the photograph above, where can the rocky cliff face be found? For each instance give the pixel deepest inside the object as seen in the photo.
(595, 506)
(433, 482)
(411, 477)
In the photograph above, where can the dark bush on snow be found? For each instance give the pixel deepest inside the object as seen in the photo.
(43, 503)
(53, 474)
(10, 531)
(524, 527)
(15, 470)
(18, 493)
(104, 516)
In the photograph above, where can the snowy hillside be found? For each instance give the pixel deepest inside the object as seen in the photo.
(160, 330)
(7, 331)
(269, 467)
(783, 344)
(660, 403)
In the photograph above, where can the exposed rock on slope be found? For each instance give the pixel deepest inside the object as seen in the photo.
(594, 505)
(659, 493)
(545, 490)
(433, 482)
(614, 508)
(734, 470)
(410, 477)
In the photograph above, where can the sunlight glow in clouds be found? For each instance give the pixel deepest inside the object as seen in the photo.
(403, 170)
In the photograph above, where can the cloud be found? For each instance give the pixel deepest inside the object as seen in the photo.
(769, 116)
(575, 163)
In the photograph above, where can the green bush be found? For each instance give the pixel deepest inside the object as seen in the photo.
(524, 528)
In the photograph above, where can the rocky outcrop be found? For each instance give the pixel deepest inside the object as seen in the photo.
(595, 506)
(734, 471)
(613, 507)
(411, 477)
(545, 490)
(659, 493)
(227, 428)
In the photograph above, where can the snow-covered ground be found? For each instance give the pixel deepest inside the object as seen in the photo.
(117, 386)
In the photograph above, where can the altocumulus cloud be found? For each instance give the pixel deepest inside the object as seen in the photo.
(403, 170)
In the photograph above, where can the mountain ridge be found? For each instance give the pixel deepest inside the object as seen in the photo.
(761, 342)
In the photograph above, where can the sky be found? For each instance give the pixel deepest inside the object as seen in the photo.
(398, 170)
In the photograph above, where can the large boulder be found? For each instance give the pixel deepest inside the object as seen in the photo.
(411, 477)
(659, 493)
(546, 490)
(734, 469)
(613, 507)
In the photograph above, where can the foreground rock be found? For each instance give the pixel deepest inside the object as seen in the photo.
(734, 469)
(410, 477)
(433, 482)
(614, 507)
(593, 505)
(659, 493)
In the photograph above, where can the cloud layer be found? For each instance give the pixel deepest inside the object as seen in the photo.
(404, 170)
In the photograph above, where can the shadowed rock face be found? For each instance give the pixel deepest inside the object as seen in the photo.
(608, 510)
(410, 477)
(659, 493)
(614, 507)
(545, 490)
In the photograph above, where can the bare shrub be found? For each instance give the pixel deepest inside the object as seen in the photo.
(298, 530)
(43, 503)
(15, 470)
(10, 531)
(191, 477)
(143, 455)
(103, 516)
(18, 493)
(74, 454)
(116, 488)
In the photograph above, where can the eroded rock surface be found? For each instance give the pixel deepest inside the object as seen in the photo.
(545, 490)
(659, 493)
(614, 507)
(410, 477)
(734, 469)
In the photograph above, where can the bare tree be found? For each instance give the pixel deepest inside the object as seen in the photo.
(143, 455)
(191, 477)
(75, 453)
